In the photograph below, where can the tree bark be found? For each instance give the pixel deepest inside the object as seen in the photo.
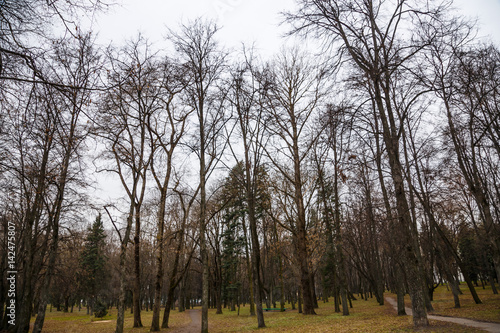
(123, 271)
(155, 323)
(137, 269)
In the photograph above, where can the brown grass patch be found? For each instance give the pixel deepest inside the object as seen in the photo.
(366, 316)
(80, 322)
(488, 311)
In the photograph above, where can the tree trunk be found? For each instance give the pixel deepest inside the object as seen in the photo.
(137, 269)
(168, 307)
(412, 262)
(301, 240)
(123, 271)
(491, 280)
(249, 270)
(203, 242)
(254, 237)
(42, 308)
(155, 323)
(31, 220)
(300, 299)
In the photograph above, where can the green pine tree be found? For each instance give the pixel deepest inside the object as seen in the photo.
(93, 263)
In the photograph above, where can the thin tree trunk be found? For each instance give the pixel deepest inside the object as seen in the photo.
(155, 323)
(42, 308)
(400, 285)
(137, 269)
(250, 196)
(300, 298)
(202, 227)
(249, 270)
(123, 279)
(56, 215)
(168, 307)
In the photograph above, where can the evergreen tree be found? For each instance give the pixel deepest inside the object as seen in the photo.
(93, 262)
(233, 241)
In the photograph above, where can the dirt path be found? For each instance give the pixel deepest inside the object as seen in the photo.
(194, 326)
(488, 327)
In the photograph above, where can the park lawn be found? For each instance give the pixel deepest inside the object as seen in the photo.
(80, 322)
(488, 311)
(366, 316)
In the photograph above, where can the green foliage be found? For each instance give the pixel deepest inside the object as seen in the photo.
(468, 250)
(92, 273)
(235, 214)
(233, 244)
(233, 240)
(100, 310)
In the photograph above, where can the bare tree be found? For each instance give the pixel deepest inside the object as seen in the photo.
(134, 96)
(331, 148)
(80, 69)
(204, 62)
(42, 159)
(465, 77)
(179, 268)
(296, 90)
(370, 34)
(166, 128)
(26, 29)
(247, 94)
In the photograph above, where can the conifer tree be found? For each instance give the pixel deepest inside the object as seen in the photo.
(93, 262)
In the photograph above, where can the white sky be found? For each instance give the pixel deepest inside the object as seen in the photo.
(241, 20)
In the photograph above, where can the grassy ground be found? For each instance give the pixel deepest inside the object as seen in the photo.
(366, 316)
(80, 322)
(488, 311)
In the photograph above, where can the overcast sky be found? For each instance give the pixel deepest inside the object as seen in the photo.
(241, 20)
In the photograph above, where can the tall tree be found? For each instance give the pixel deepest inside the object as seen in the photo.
(247, 95)
(133, 97)
(80, 68)
(166, 128)
(370, 34)
(296, 90)
(465, 77)
(46, 137)
(204, 61)
(336, 123)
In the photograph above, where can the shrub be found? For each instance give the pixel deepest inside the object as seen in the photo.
(100, 310)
